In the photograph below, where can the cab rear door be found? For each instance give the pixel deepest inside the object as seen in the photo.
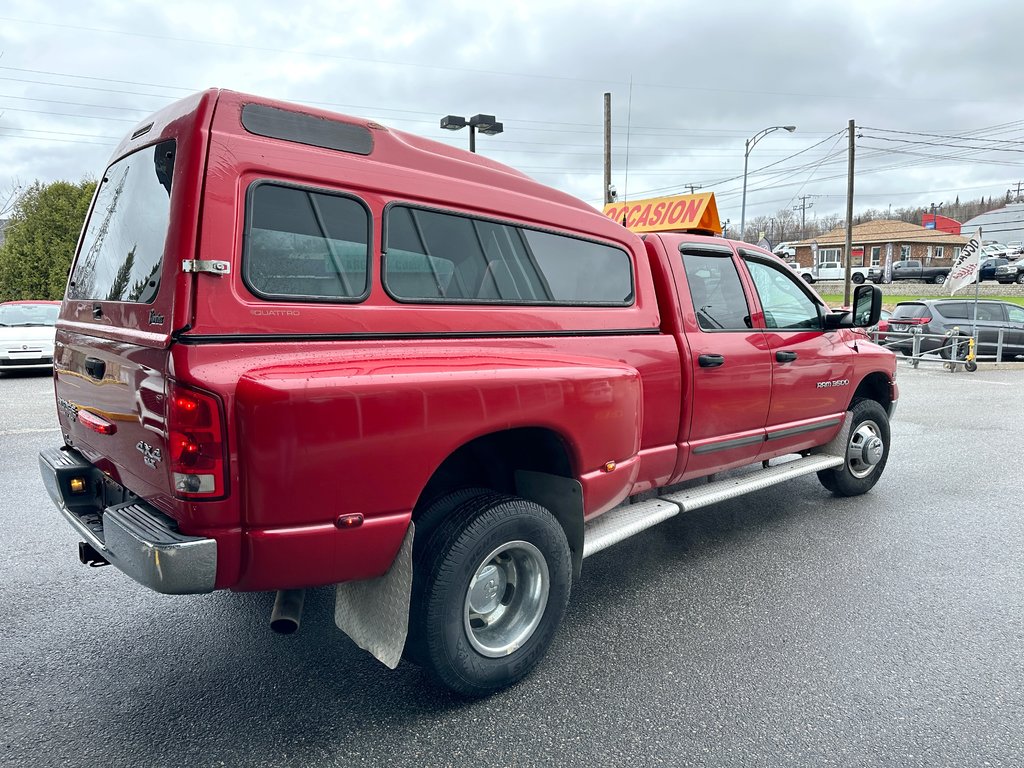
(729, 358)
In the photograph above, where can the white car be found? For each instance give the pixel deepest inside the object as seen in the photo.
(27, 330)
(993, 249)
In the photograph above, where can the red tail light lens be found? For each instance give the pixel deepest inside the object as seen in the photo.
(196, 443)
(911, 320)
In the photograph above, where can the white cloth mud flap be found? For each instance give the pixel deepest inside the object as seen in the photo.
(375, 613)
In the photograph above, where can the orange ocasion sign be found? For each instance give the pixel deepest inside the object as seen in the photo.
(678, 213)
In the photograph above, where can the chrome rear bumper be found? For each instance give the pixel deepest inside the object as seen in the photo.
(141, 541)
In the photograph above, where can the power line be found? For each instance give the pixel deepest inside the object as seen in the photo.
(846, 97)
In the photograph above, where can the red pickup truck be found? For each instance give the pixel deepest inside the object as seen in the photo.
(299, 349)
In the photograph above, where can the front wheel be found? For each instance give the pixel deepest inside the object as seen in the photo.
(867, 451)
(1020, 278)
(939, 279)
(490, 588)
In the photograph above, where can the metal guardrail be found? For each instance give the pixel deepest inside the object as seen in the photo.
(954, 350)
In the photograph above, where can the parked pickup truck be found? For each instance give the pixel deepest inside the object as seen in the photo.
(910, 269)
(1010, 272)
(833, 270)
(299, 349)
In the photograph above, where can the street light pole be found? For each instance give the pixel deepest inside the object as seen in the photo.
(483, 123)
(746, 157)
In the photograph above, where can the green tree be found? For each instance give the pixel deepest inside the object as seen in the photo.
(40, 239)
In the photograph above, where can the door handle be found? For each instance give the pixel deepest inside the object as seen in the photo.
(95, 367)
(710, 361)
(785, 357)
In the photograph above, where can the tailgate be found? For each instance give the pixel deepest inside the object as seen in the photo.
(111, 405)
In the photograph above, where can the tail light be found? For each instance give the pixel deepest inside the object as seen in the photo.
(196, 443)
(911, 320)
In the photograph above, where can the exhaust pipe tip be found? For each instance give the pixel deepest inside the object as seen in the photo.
(287, 613)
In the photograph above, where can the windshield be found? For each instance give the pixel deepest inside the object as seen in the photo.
(28, 314)
(123, 247)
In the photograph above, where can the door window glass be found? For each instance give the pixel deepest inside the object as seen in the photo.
(990, 312)
(1015, 314)
(783, 300)
(716, 291)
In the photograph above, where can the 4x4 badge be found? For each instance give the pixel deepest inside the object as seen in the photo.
(150, 455)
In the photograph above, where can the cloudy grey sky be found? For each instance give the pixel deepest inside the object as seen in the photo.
(935, 87)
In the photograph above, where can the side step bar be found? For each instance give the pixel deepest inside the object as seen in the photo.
(630, 519)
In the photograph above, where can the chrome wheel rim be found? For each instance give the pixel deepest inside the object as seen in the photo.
(506, 598)
(865, 450)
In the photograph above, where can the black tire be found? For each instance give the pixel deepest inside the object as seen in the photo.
(857, 277)
(809, 279)
(438, 511)
(426, 523)
(476, 641)
(1020, 278)
(860, 471)
(970, 366)
(963, 348)
(939, 279)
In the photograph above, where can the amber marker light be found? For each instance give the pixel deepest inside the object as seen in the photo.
(77, 485)
(609, 466)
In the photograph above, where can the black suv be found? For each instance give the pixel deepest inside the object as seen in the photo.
(936, 317)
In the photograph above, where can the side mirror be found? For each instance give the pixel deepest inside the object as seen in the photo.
(867, 309)
(867, 305)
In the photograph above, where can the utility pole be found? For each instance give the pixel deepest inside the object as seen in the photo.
(849, 220)
(804, 205)
(693, 187)
(607, 148)
(1019, 183)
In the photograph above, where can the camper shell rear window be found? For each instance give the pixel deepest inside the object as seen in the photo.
(122, 249)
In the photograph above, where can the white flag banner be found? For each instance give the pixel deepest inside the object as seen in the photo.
(965, 269)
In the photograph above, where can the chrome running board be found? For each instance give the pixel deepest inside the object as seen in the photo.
(630, 519)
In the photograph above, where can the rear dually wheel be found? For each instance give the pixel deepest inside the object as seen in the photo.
(490, 587)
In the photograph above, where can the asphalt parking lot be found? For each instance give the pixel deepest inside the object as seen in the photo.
(783, 628)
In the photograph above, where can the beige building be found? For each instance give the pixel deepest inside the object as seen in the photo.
(872, 239)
